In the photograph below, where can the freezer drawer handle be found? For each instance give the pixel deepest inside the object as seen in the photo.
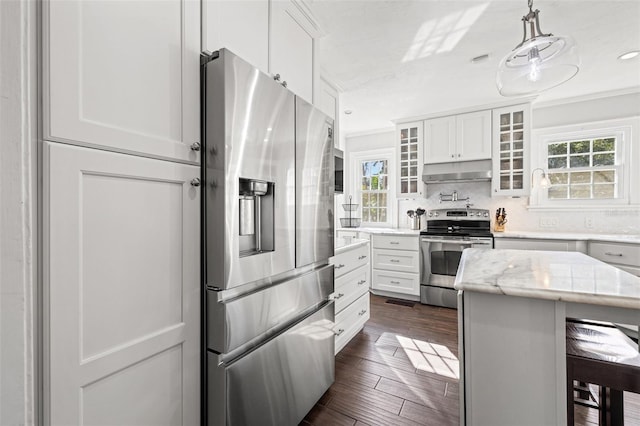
(394, 282)
(362, 282)
(339, 332)
(339, 266)
(362, 257)
(338, 296)
(362, 312)
(608, 253)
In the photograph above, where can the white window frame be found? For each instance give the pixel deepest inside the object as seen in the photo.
(355, 179)
(623, 130)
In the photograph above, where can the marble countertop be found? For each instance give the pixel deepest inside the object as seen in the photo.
(383, 231)
(347, 243)
(551, 235)
(565, 276)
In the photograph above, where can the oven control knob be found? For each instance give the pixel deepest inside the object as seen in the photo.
(436, 214)
(430, 214)
(486, 214)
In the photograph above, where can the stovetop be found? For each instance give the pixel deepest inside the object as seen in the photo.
(458, 222)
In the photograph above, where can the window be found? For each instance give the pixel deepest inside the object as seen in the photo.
(375, 185)
(583, 169)
(587, 165)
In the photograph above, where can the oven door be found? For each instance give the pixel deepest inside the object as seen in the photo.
(440, 257)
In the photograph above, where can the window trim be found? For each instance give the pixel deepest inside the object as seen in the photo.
(622, 129)
(355, 160)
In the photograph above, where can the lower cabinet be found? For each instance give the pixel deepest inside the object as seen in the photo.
(539, 244)
(351, 292)
(622, 255)
(396, 266)
(121, 288)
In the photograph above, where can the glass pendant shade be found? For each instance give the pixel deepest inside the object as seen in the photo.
(538, 63)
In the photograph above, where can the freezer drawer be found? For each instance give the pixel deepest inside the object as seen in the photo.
(278, 382)
(248, 319)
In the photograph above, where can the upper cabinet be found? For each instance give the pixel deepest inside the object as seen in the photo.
(240, 26)
(123, 76)
(328, 101)
(277, 36)
(410, 158)
(511, 135)
(461, 137)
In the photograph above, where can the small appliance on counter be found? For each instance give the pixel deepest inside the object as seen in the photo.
(501, 219)
(350, 222)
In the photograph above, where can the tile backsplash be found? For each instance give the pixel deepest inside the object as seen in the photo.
(520, 218)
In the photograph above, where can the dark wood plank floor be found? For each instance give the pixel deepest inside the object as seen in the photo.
(402, 369)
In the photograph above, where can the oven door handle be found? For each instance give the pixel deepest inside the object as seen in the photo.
(462, 242)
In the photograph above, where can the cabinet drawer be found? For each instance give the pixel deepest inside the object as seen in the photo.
(396, 260)
(350, 321)
(350, 260)
(398, 282)
(394, 242)
(623, 254)
(350, 287)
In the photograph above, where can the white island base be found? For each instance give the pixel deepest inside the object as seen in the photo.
(512, 311)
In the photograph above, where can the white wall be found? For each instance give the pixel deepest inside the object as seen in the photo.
(520, 218)
(17, 210)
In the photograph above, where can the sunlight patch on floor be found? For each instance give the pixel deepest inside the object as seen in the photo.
(430, 357)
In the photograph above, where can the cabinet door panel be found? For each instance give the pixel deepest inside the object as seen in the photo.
(291, 49)
(123, 75)
(511, 128)
(439, 140)
(410, 141)
(240, 26)
(473, 136)
(121, 277)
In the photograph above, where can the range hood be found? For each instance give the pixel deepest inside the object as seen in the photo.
(459, 171)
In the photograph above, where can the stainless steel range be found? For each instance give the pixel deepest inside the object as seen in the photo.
(449, 231)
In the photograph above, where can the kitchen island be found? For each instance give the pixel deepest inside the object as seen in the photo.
(513, 305)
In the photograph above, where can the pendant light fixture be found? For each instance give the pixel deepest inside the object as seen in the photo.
(539, 62)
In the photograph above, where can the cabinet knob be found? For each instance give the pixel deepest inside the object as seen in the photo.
(195, 182)
(362, 257)
(284, 83)
(452, 155)
(459, 155)
(362, 282)
(276, 77)
(339, 266)
(339, 332)
(608, 253)
(362, 312)
(338, 296)
(195, 146)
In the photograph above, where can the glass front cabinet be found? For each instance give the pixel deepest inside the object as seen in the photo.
(410, 139)
(511, 135)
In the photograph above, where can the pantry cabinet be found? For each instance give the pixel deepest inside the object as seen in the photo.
(123, 76)
(462, 137)
(351, 291)
(410, 141)
(511, 152)
(121, 288)
(276, 36)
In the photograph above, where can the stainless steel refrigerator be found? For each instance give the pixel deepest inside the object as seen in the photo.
(268, 235)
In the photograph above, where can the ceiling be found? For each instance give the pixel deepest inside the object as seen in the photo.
(399, 59)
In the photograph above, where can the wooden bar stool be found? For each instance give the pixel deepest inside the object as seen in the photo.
(604, 356)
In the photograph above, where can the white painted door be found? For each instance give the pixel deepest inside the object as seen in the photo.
(121, 281)
(439, 140)
(240, 26)
(473, 136)
(123, 75)
(291, 48)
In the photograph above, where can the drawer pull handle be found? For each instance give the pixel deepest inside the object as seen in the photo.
(362, 282)
(339, 332)
(608, 253)
(362, 312)
(362, 257)
(339, 266)
(338, 296)
(394, 282)
(394, 242)
(394, 261)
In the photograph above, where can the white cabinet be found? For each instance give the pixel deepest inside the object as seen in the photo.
(123, 75)
(410, 164)
(328, 101)
(622, 255)
(462, 137)
(240, 26)
(511, 135)
(277, 36)
(121, 241)
(396, 266)
(351, 292)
